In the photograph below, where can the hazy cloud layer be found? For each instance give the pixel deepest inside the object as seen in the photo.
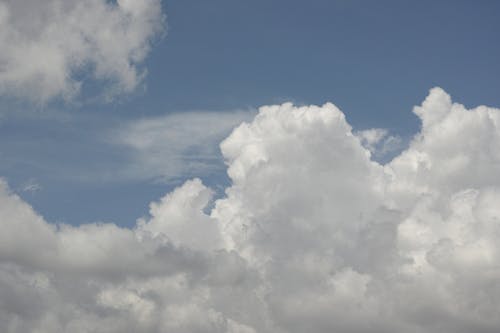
(311, 236)
(51, 54)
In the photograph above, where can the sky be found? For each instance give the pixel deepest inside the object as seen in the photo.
(249, 166)
(373, 61)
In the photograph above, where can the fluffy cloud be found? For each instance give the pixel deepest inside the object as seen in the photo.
(50, 55)
(312, 235)
(103, 278)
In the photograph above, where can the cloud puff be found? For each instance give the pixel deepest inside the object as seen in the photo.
(311, 236)
(51, 54)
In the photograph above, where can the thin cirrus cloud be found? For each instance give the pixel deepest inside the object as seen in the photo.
(103, 148)
(312, 235)
(176, 145)
(49, 55)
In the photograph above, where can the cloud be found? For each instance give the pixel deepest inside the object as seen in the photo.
(103, 278)
(177, 145)
(31, 186)
(312, 235)
(160, 149)
(68, 43)
(380, 143)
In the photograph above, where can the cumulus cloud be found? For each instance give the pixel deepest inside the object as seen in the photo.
(49, 48)
(312, 235)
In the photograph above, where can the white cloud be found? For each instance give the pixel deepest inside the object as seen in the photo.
(31, 186)
(311, 236)
(49, 47)
(103, 278)
(379, 142)
(182, 224)
(183, 144)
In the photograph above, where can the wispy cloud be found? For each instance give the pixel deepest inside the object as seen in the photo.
(31, 186)
(381, 144)
(177, 145)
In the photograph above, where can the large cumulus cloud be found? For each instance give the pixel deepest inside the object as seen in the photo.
(51, 54)
(313, 235)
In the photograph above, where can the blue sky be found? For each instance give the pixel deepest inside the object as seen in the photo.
(374, 60)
